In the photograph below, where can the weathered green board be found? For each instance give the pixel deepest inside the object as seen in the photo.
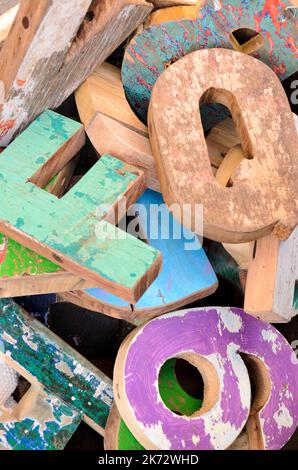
(39, 354)
(51, 431)
(71, 231)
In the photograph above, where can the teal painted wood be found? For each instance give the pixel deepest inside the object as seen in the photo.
(185, 272)
(51, 431)
(56, 366)
(70, 231)
(155, 47)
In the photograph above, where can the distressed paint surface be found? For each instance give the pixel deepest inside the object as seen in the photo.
(219, 335)
(71, 225)
(173, 396)
(17, 260)
(51, 431)
(56, 366)
(263, 197)
(51, 70)
(184, 273)
(154, 48)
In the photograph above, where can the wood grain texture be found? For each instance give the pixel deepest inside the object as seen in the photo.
(186, 274)
(113, 128)
(221, 334)
(43, 422)
(264, 194)
(156, 47)
(271, 278)
(118, 436)
(44, 359)
(40, 74)
(74, 232)
(110, 123)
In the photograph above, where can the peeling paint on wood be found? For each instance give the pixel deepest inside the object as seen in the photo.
(51, 430)
(71, 231)
(118, 436)
(155, 47)
(211, 339)
(185, 277)
(41, 74)
(43, 358)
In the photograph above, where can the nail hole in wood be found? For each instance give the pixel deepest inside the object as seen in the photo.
(25, 22)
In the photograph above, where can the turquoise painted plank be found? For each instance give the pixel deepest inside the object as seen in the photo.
(50, 431)
(56, 366)
(70, 231)
(184, 272)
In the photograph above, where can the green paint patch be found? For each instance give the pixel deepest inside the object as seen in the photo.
(173, 396)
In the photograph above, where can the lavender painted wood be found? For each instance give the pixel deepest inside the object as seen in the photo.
(186, 270)
(72, 231)
(218, 335)
(40, 356)
(158, 46)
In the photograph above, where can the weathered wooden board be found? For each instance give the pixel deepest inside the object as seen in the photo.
(24, 272)
(39, 422)
(44, 359)
(186, 274)
(211, 339)
(110, 123)
(259, 27)
(118, 436)
(73, 231)
(255, 204)
(271, 279)
(37, 73)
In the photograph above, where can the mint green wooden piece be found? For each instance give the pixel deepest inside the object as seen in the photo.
(72, 228)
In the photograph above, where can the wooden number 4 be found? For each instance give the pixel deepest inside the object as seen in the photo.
(73, 231)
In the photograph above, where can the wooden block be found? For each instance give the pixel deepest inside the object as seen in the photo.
(220, 335)
(47, 362)
(30, 64)
(257, 27)
(40, 421)
(6, 20)
(271, 278)
(118, 436)
(186, 275)
(254, 205)
(73, 231)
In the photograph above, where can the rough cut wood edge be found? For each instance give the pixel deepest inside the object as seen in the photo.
(271, 277)
(133, 315)
(24, 75)
(46, 283)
